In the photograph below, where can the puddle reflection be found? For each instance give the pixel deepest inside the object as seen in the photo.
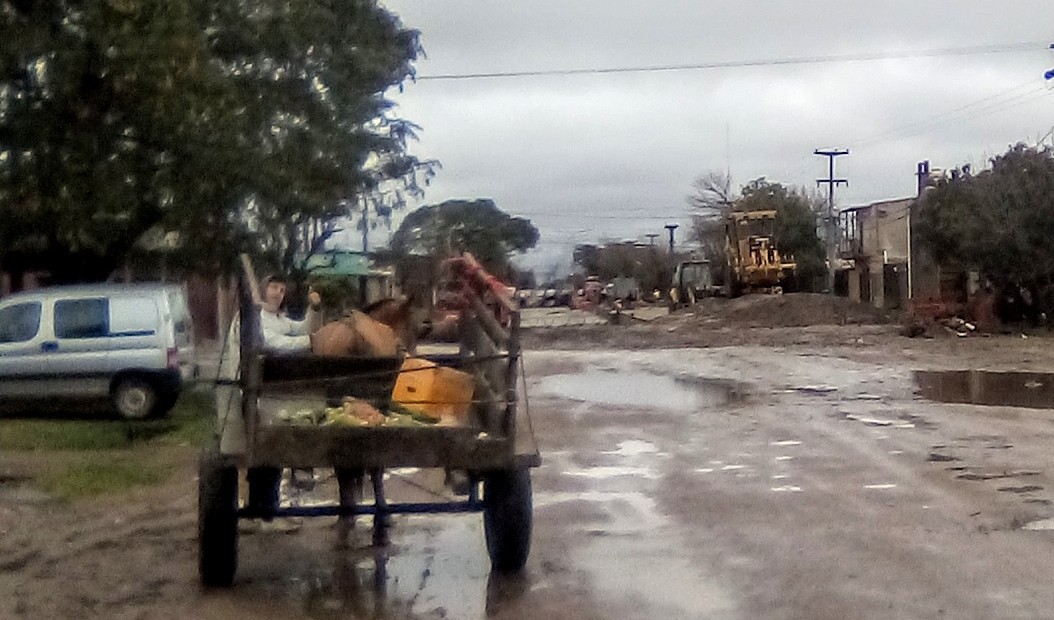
(639, 389)
(1032, 390)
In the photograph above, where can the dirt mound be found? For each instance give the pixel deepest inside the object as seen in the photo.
(791, 310)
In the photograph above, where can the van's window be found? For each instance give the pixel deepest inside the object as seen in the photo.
(133, 316)
(82, 318)
(20, 322)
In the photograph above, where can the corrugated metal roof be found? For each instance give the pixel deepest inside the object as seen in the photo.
(339, 264)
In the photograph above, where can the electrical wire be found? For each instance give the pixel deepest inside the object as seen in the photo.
(989, 105)
(770, 62)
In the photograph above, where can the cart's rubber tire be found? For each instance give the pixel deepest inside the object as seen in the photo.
(507, 517)
(217, 519)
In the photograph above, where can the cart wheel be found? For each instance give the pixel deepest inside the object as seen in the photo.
(507, 513)
(217, 519)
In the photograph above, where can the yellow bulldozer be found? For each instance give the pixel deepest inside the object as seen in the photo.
(753, 262)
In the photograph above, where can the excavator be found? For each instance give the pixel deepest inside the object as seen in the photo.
(753, 262)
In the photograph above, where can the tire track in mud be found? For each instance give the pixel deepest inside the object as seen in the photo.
(99, 562)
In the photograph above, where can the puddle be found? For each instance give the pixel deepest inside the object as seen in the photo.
(634, 447)
(1042, 525)
(628, 512)
(604, 473)
(19, 491)
(638, 389)
(439, 576)
(662, 580)
(1033, 390)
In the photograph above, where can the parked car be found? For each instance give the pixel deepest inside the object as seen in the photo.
(131, 344)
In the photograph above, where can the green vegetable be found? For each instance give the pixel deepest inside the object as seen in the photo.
(400, 409)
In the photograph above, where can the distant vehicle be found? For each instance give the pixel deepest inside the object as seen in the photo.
(692, 280)
(753, 260)
(588, 297)
(131, 344)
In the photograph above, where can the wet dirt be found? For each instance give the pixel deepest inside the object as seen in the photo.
(791, 502)
(1032, 390)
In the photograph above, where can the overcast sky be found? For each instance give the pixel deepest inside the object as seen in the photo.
(613, 156)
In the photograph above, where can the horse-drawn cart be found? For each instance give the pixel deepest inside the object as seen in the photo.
(493, 445)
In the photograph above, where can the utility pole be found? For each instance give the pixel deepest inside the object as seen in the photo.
(671, 228)
(832, 221)
(365, 225)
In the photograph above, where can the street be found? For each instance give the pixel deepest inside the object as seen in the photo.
(735, 482)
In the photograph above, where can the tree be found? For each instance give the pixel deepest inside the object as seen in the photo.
(645, 263)
(239, 125)
(1000, 221)
(475, 226)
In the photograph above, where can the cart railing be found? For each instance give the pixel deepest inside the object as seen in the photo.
(489, 350)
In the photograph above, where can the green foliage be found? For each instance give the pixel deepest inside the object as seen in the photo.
(475, 226)
(235, 123)
(1000, 221)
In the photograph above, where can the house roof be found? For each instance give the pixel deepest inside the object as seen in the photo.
(893, 202)
(339, 263)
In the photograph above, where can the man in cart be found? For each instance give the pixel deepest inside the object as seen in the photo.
(281, 335)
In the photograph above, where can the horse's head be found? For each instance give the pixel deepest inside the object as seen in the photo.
(408, 323)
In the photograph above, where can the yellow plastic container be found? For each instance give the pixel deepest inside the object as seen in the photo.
(438, 392)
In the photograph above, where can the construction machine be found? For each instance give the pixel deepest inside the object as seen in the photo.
(753, 262)
(692, 281)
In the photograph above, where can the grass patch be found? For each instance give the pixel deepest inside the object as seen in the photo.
(72, 458)
(190, 422)
(89, 479)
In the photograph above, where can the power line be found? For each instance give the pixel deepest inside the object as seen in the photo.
(1008, 48)
(938, 118)
(587, 216)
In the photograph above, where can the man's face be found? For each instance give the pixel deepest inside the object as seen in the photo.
(274, 295)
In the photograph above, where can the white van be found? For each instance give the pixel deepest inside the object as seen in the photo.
(131, 344)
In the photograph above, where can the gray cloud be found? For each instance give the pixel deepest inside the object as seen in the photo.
(578, 154)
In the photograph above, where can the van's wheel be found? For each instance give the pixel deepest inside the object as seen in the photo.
(165, 402)
(217, 519)
(507, 517)
(134, 398)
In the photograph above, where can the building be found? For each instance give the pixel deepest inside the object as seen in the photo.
(875, 247)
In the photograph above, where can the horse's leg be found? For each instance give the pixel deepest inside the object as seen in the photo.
(381, 518)
(349, 483)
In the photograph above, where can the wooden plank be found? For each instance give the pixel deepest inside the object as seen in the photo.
(481, 347)
(488, 322)
(249, 276)
(512, 370)
(328, 446)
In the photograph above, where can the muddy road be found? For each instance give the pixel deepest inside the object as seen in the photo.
(800, 481)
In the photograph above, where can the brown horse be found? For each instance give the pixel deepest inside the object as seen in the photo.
(386, 328)
(383, 329)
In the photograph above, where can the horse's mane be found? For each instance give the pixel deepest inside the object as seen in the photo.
(380, 303)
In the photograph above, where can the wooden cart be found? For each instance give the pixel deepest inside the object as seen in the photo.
(495, 448)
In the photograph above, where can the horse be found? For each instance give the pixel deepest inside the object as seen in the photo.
(385, 328)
